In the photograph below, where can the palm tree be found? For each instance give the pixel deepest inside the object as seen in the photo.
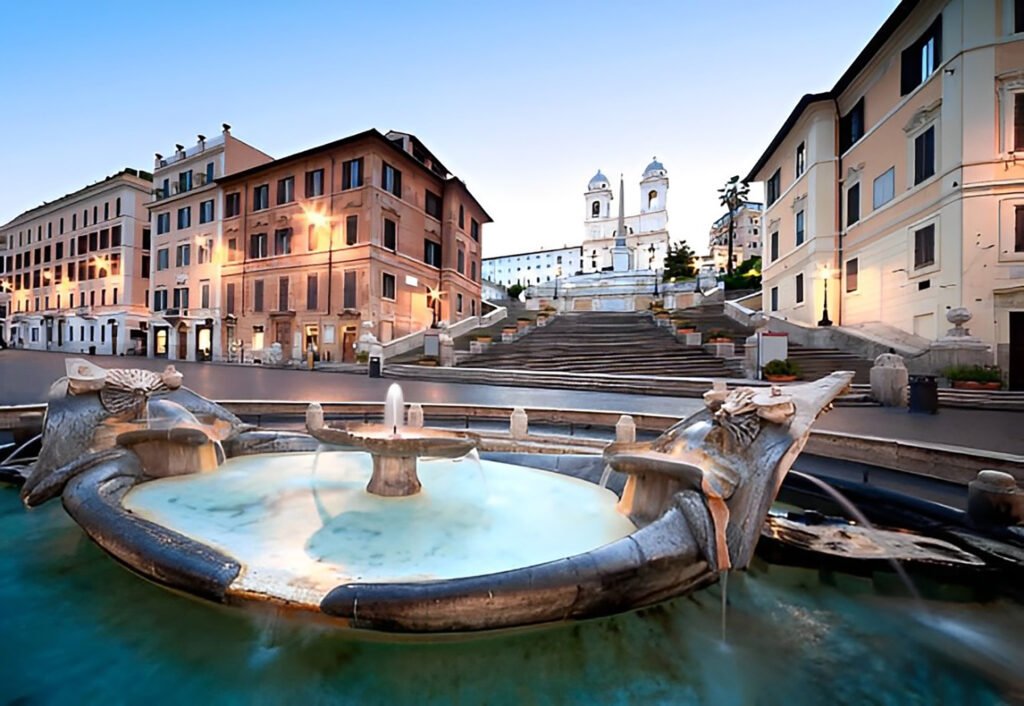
(731, 196)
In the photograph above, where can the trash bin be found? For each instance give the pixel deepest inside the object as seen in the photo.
(375, 366)
(924, 394)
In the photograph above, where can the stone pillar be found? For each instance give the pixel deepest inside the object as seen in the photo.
(446, 347)
(519, 423)
(889, 380)
(625, 429)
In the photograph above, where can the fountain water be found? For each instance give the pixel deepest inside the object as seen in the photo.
(394, 408)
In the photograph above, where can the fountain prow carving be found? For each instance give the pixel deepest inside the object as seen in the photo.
(731, 456)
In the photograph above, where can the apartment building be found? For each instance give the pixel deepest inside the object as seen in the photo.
(746, 239)
(75, 272)
(186, 251)
(371, 227)
(535, 267)
(903, 186)
(5, 290)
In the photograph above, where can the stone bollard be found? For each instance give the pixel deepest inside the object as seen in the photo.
(414, 417)
(314, 416)
(625, 429)
(994, 499)
(889, 379)
(519, 423)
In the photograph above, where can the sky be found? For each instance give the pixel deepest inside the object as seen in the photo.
(522, 100)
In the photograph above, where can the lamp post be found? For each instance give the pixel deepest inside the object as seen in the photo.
(558, 273)
(825, 321)
(652, 252)
(435, 297)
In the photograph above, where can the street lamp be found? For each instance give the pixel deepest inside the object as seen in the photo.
(434, 295)
(558, 273)
(652, 251)
(825, 321)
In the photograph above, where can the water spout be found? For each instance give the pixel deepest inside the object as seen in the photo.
(394, 408)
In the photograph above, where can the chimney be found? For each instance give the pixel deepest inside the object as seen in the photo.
(227, 128)
(156, 162)
(202, 141)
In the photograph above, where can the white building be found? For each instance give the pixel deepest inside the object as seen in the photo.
(532, 268)
(746, 239)
(77, 269)
(646, 233)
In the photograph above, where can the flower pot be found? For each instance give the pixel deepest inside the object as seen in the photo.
(975, 385)
(429, 363)
(720, 339)
(780, 378)
(484, 339)
(686, 329)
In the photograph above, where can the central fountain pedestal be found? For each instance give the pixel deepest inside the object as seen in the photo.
(394, 476)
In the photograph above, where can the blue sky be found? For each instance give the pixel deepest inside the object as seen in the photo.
(522, 100)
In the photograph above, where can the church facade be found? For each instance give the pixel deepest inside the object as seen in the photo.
(646, 233)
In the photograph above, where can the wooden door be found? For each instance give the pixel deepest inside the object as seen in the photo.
(348, 342)
(182, 343)
(283, 335)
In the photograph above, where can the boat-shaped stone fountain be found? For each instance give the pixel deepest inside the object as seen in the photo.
(397, 528)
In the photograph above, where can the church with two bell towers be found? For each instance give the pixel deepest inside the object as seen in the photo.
(644, 242)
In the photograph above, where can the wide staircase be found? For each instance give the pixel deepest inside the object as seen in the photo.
(812, 362)
(605, 342)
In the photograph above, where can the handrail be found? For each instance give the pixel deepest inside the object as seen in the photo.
(414, 340)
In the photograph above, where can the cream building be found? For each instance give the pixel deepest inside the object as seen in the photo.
(903, 186)
(643, 231)
(76, 269)
(746, 239)
(6, 264)
(187, 245)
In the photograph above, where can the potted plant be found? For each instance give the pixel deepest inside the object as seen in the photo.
(975, 377)
(485, 339)
(661, 314)
(684, 326)
(428, 360)
(362, 357)
(781, 371)
(717, 335)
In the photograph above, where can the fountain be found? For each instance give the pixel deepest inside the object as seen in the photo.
(393, 446)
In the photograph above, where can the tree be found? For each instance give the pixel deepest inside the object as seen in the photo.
(679, 262)
(732, 195)
(747, 275)
(514, 290)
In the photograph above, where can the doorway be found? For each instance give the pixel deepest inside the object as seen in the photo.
(312, 340)
(1016, 350)
(182, 342)
(283, 335)
(160, 342)
(204, 343)
(348, 345)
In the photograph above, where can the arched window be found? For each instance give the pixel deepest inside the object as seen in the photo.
(595, 209)
(652, 199)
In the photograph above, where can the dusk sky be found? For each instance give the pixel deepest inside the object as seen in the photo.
(523, 100)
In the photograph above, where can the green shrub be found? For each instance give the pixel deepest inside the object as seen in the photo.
(781, 367)
(719, 333)
(362, 357)
(974, 373)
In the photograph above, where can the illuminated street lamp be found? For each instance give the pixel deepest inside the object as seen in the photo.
(434, 295)
(558, 273)
(652, 251)
(825, 321)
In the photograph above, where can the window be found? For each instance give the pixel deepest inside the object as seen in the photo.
(853, 204)
(163, 223)
(185, 181)
(388, 286)
(924, 155)
(285, 190)
(461, 264)
(59, 254)
(74, 223)
(595, 209)
(799, 288)
(165, 190)
(209, 172)
(257, 295)
(206, 211)
(351, 230)
(117, 207)
(774, 187)
(352, 174)
(257, 246)
(774, 249)
(883, 190)
(472, 270)
(801, 159)
(432, 204)
(261, 197)
(919, 60)
(312, 299)
(232, 204)
(204, 252)
(474, 229)
(181, 297)
(392, 180)
(145, 268)
(348, 300)
(115, 237)
(775, 299)
(106, 215)
(462, 217)
(282, 294)
(652, 199)
(314, 183)
(458, 302)
(390, 234)
(160, 300)
(204, 295)
(432, 252)
(283, 241)
(162, 259)
(184, 217)
(1018, 121)
(1018, 232)
(851, 275)
(183, 256)
(924, 247)
(800, 228)
(230, 302)
(851, 127)
(93, 244)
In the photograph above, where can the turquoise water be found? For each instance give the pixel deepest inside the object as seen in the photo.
(77, 628)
